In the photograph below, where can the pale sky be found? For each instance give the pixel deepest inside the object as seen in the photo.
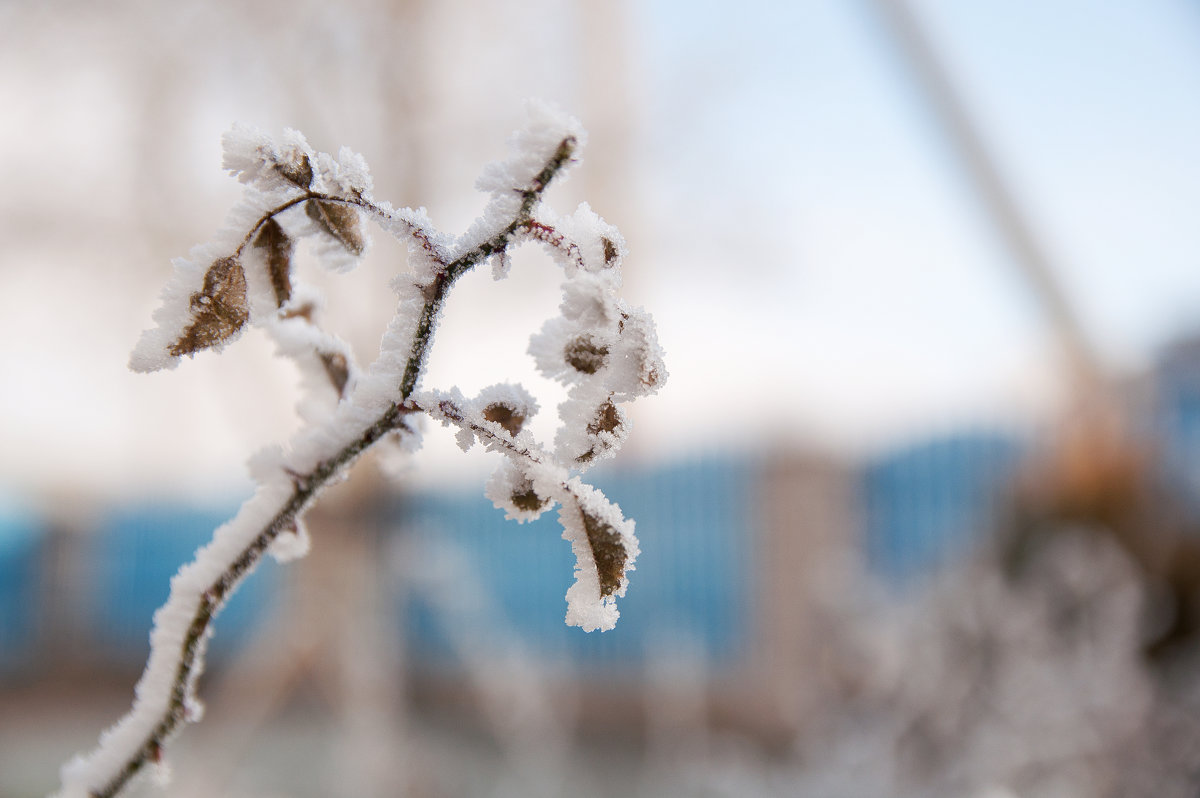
(820, 267)
(851, 234)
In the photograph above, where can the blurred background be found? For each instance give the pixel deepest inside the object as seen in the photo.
(919, 505)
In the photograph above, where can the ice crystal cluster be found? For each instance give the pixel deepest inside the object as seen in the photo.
(604, 350)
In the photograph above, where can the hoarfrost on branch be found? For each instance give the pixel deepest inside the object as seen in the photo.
(605, 352)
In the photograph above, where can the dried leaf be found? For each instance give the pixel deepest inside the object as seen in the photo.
(218, 310)
(297, 169)
(506, 416)
(340, 221)
(610, 251)
(337, 368)
(608, 550)
(527, 500)
(279, 247)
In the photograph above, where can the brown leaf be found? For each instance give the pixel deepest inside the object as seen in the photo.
(607, 419)
(297, 169)
(305, 311)
(506, 416)
(279, 247)
(608, 550)
(527, 499)
(218, 310)
(610, 251)
(340, 221)
(338, 370)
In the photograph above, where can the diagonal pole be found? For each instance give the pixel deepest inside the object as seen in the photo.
(1030, 256)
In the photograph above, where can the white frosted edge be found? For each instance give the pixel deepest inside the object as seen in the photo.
(586, 608)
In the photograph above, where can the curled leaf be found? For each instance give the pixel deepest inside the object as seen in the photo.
(608, 551)
(340, 221)
(219, 310)
(279, 247)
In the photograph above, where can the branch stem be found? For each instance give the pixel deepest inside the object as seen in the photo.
(307, 486)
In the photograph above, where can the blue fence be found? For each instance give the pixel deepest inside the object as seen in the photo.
(131, 558)
(698, 523)
(22, 544)
(1176, 415)
(925, 503)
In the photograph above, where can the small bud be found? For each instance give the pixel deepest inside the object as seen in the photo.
(193, 710)
(584, 355)
(299, 481)
(337, 369)
(292, 542)
(219, 309)
(340, 221)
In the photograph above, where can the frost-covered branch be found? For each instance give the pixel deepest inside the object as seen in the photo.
(605, 350)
